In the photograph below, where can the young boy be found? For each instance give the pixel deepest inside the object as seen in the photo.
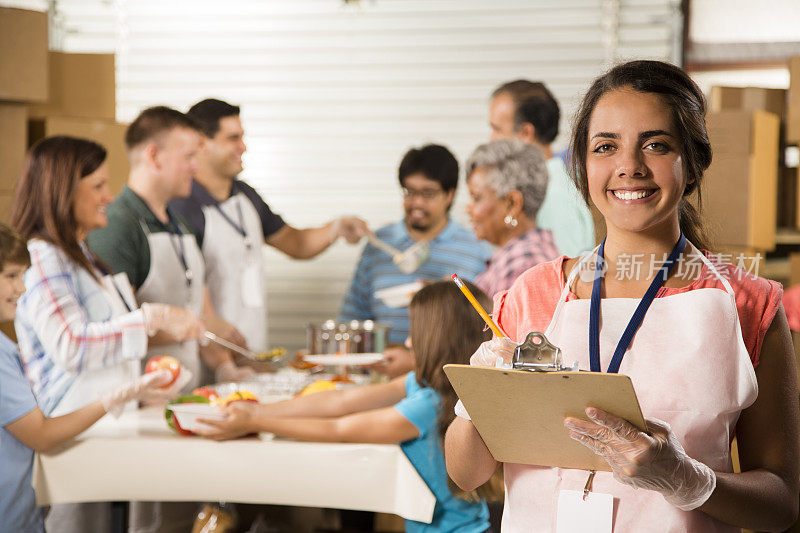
(23, 427)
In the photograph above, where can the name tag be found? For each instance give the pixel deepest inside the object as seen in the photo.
(252, 287)
(592, 515)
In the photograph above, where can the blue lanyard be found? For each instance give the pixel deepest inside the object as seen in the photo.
(638, 315)
(240, 229)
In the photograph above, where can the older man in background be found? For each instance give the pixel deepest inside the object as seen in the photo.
(526, 110)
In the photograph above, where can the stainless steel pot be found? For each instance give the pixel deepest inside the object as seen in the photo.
(347, 337)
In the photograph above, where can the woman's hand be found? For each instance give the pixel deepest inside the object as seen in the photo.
(490, 353)
(239, 421)
(653, 460)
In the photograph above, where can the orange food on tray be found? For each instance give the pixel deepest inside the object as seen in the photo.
(318, 386)
(300, 364)
(238, 396)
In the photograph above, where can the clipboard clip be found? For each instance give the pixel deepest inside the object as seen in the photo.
(537, 354)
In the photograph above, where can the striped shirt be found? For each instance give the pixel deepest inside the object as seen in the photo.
(515, 257)
(454, 250)
(64, 325)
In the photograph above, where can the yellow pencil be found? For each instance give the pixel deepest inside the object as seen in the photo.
(486, 318)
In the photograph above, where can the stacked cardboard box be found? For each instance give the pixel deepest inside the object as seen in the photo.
(46, 93)
(793, 103)
(23, 79)
(82, 103)
(740, 196)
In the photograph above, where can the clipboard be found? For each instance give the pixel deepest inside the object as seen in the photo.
(520, 414)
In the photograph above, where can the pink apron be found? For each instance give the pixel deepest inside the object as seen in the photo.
(690, 368)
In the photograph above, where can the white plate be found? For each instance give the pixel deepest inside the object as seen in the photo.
(188, 413)
(399, 295)
(349, 359)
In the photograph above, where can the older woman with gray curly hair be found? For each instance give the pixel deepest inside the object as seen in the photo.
(507, 181)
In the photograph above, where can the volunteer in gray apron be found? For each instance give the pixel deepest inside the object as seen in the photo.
(79, 330)
(175, 277)
(235, 271)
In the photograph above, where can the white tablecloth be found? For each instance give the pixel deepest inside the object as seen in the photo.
(136, 457)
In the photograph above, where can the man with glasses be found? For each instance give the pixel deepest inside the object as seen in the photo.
(428, 178)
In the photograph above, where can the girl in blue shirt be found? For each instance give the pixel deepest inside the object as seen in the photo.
(412, 410)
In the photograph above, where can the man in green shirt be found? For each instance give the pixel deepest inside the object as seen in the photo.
(155, 248)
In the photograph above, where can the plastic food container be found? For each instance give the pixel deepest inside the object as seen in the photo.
(187, 414)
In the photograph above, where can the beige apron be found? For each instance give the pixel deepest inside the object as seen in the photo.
(235, 268)
(166, 283)
(690, 368)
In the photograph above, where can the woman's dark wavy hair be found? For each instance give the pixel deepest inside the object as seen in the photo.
(44, 202)
(687, 104)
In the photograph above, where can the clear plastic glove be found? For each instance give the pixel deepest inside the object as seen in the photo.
(351, 228)
(496, 352)
(654, 460)
(177, 322)
(147, 388)
(228, 371)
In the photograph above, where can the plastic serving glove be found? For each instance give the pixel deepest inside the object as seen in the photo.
(351, 228)
(228, 371)
(147, 388)
(495, 353)
(177, 322)
(654, 460)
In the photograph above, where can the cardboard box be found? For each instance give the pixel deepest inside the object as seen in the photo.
(787, 197)
(108, 133)
(6, 199)
(793, 103)
(748, 99)
(23, 55)
(792, 175)
(81, 85)
(794, 270)
(740, 186)
(13, 143)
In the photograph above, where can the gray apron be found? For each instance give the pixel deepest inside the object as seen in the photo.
(166, 282)
(233, 249)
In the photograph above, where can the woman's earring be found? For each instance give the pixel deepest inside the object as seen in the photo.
(510, 221)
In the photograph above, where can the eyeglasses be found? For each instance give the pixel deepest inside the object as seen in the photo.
(425, 194)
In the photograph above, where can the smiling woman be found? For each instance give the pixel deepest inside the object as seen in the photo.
(80, 332)
(708, 351)
(507, 182)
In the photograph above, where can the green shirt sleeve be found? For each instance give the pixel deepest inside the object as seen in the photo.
(122, 244)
